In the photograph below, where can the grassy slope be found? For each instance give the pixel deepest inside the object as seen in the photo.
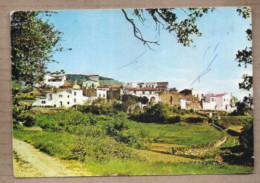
(181, 133)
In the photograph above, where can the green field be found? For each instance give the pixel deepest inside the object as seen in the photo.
(180, 133)
(114, 145)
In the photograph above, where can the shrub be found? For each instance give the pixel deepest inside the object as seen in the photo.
(246, 139)
(27, 119)
(194, 119)
(174, 119)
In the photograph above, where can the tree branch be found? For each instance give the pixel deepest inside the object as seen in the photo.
(137, 32)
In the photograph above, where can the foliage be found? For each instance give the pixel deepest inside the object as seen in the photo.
(33, 42)
(244, 57)
(242, 109)
(174, 119)
(98, 106)
(182, 28)
(235, 120)
(247, 140)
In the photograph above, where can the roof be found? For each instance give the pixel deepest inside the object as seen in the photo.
(220, 95)
(141, 89)
(148, 83)
(109, 86)
(162, 83)
(67, 84)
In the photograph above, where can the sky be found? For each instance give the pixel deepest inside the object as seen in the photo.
(103, 43)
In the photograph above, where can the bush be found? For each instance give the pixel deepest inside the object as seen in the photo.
(194, 119)
(133, 138)
(27, 119)
(246, 139)
(100, 149)
(174, 119)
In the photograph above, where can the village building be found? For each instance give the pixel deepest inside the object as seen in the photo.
(210, 102)
(170, 98)
(143, 92)
(147, 85)
(189, 102)
(200, 94)
(55, 81)
(130, 84)
(101, 93)
(115, 92)
(225, 102)
(67, 84)
(65, 97)
(162, 86)
(89, 83)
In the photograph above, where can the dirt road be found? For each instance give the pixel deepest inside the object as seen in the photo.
(30, 162)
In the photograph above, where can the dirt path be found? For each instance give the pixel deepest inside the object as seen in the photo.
(30, 162)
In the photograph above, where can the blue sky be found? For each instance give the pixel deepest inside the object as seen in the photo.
(102, 42)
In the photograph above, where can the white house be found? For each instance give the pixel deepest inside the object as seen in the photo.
(130, 84)
(183, 103)
(209, 103)
(67, 98)
(101, 93)
(143, 92)
(200, 94)
(147, 85)
(55, 81)
(220, 102)
(225, 102)
(89, 83)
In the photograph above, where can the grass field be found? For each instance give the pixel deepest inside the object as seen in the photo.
(114, 145)
(181, 133)
(152, 163)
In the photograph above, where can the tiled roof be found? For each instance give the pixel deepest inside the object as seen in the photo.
(109, 86)
(140, 89)
(67, 84)
(220, 95)
(162, 83)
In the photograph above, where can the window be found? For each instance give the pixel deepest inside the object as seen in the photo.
(43, 102)
(224, 100)
(104, 95)
(75, 93)
(99, 95)
(60, 96)
(75, 100)
(212, 99)
(143, 92)
(68, 103)
(68, 96)
(150, 92)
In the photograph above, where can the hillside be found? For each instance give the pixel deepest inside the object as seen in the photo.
(82, 77)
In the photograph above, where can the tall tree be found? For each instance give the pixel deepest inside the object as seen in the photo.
(33, 43)
(244, 57)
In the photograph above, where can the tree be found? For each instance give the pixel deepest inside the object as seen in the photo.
(246, 139)
(33, 43)
(167, 19)
(244, 57)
